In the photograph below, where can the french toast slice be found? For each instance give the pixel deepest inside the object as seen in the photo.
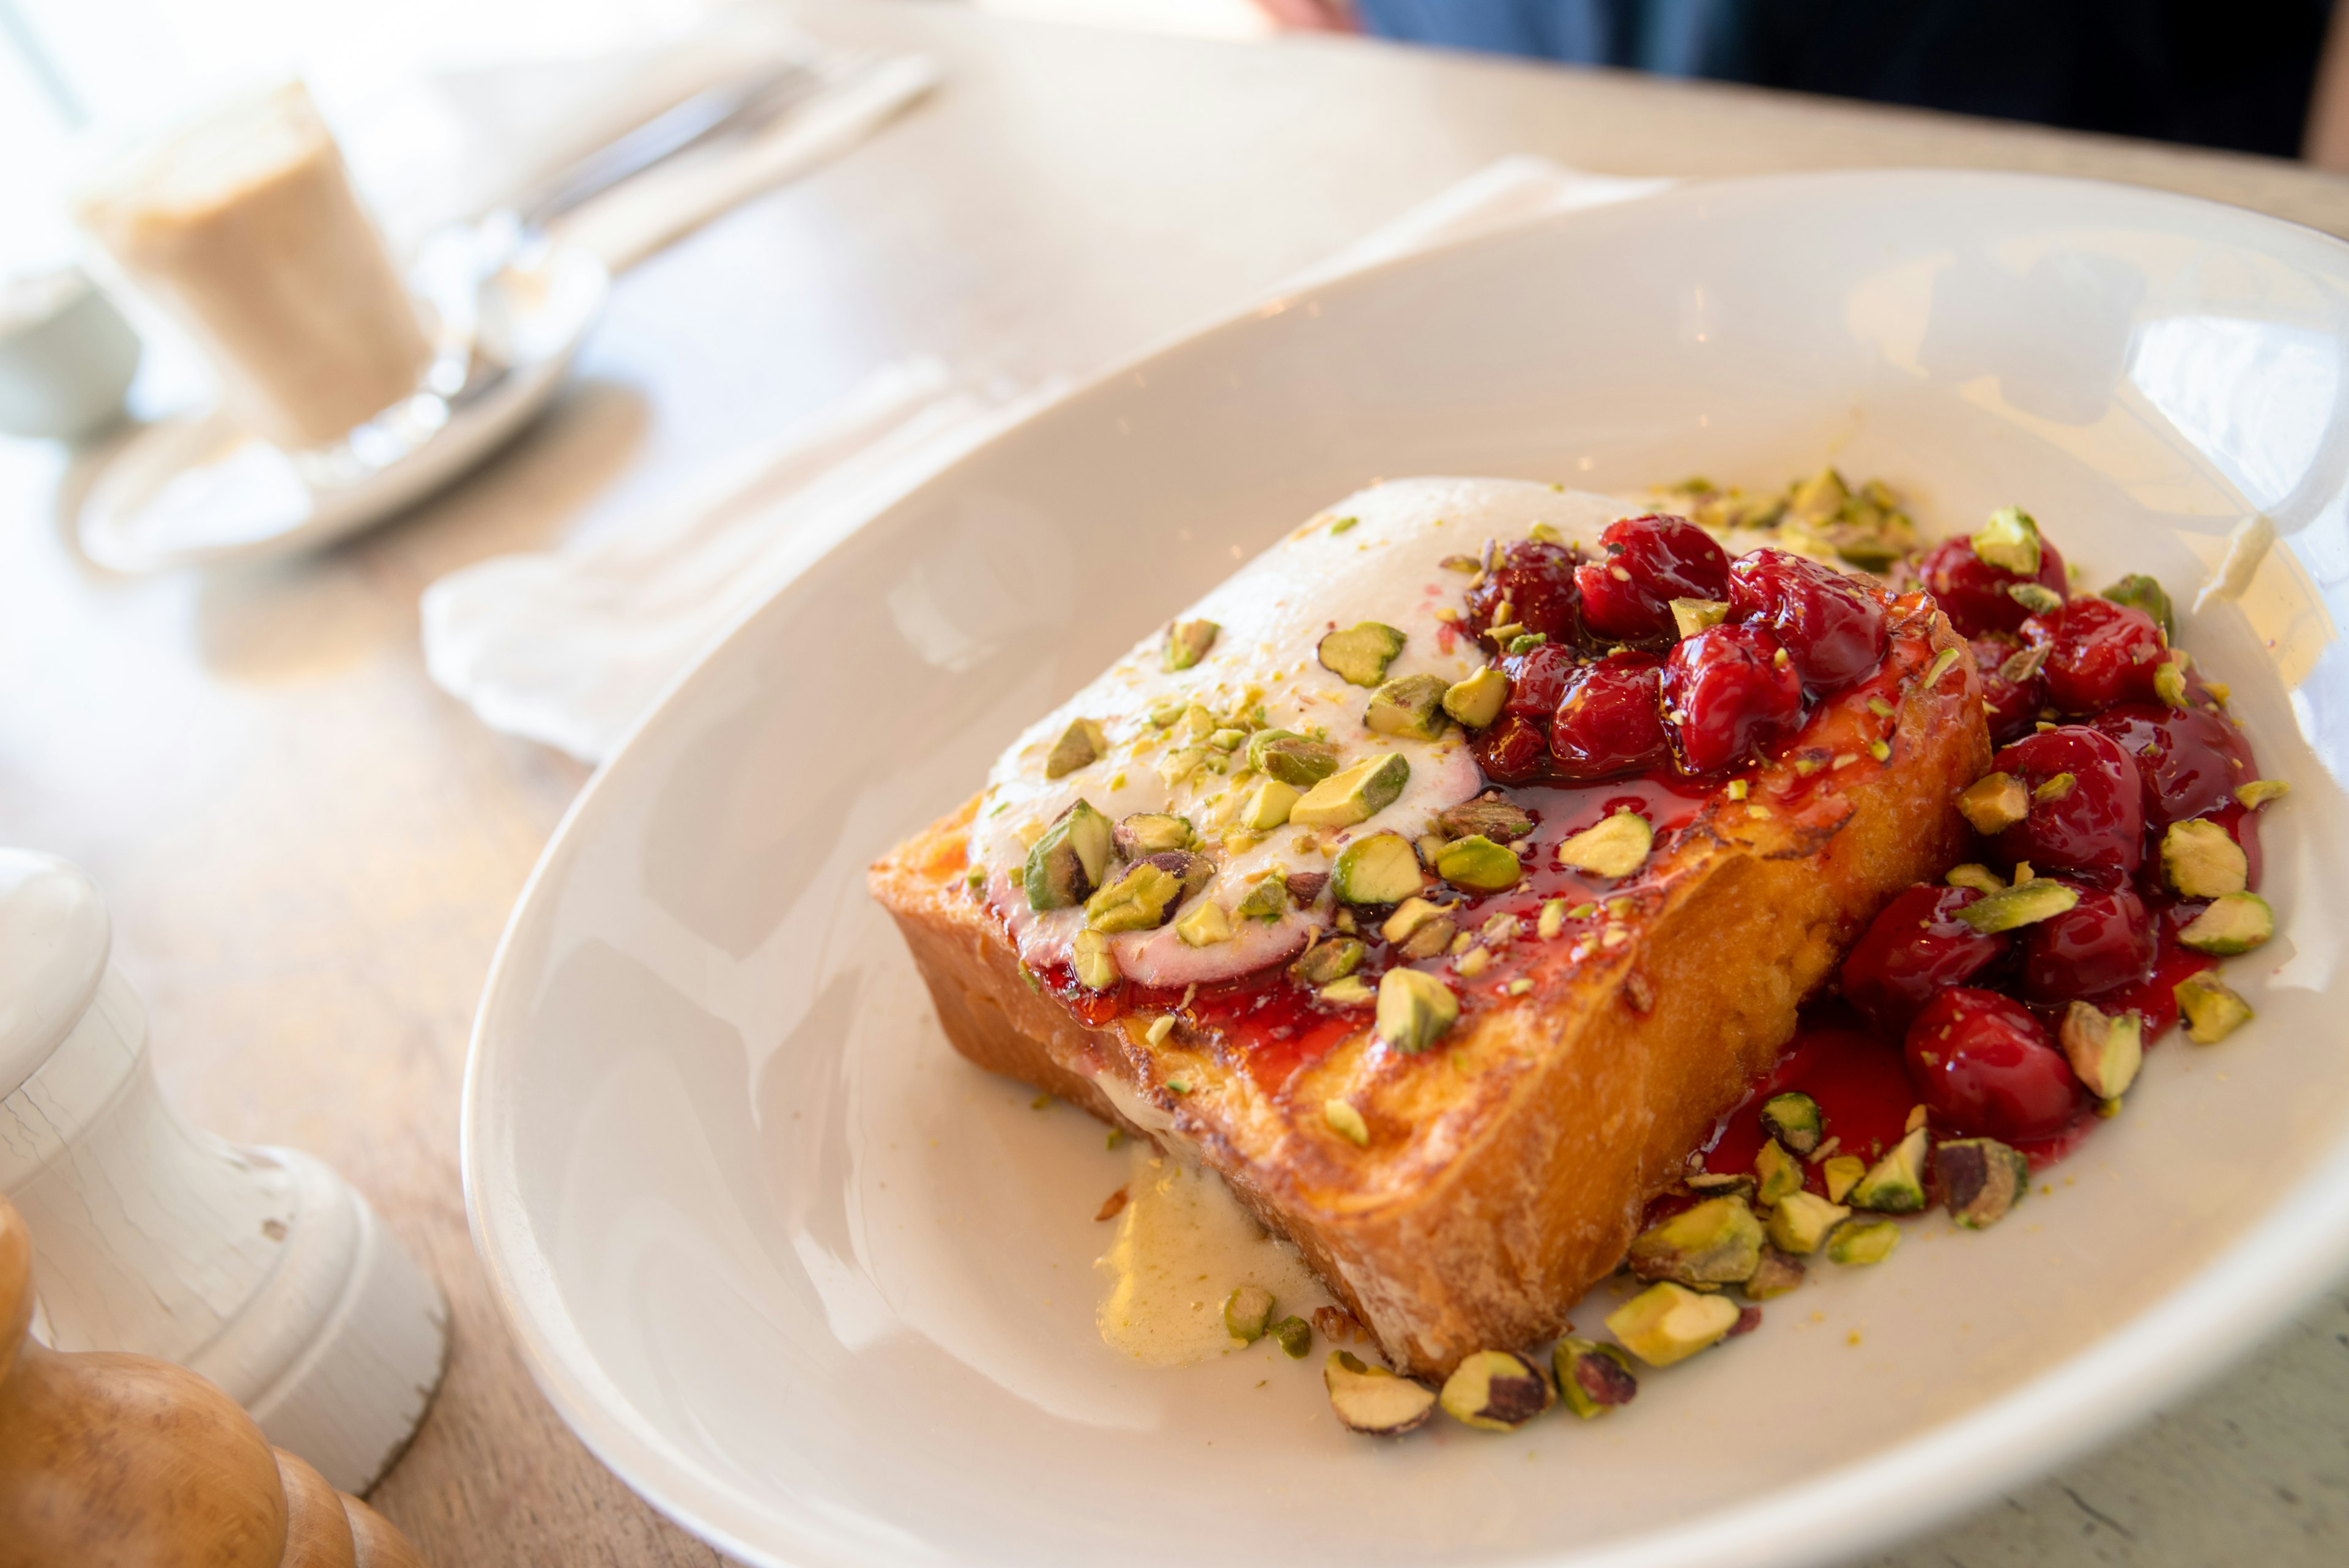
(1463, 1196)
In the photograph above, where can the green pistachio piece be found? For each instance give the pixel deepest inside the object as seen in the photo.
(1326, 961)
(2213, 1011)
(1353, 794)
(1187, 642)
(1379, 868)
(1408, 917)
(2169, 684)
(1495, 1391)
(1895, 1184)
(1974, 875)
(1371, 1400)
(2009, 541)
(1135, 901)
(1668, 1322)
(1340, 1117)
(1293, 1336)
(1777, 1172)
(1269, 806)
(1794, 1119)
(1722, 1184)
(2258, 792)
(1802, 1220)
(1088, 956)
(2055, 788)
(2036, 597)
(1437, 936)
(1151, 833)
(1415, 1009)
(1488, 815)
(1081, 744)
(1068, 862)
(2203, 861)
(1777, 1273)
(2147, 594)
(1717, 1242)
(1994, 803)
(1479, 865)
(1694, 616)
(1411, 706)
(1204, 924)
(1247, 1313)
(2234, 923)
(1592, 1378)
(1293, 759)
(1820, 497)
(1352, 991)
(2104, 1049)
(1615, 848)
(1527, 641)
(1980, 1178)
(2025, 904)
(1858, 1241)
(1842, 1173)
(1360, 653)
(1180, 763)
(1477, 701)
(1226, 740)
(1268, 901)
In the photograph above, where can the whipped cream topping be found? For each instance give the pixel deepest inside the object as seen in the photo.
(1375, 556)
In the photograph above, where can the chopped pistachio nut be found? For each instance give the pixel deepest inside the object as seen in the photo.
(1527, 641)
(1088, 956)
(1351, 990)
(1342, 1118)
(1692, 616)
(1495, 1391)
(1343, 523)
(1466, 564)
(1411, 706)
(2234, 923)
(1160, 1028)
(2036, 597)
(1371, 1400)
(1291, 758)
(2054, 787)
(1247, 1313)
(1777, 1172)
(1474, 963)
(2169, 684)
(1226, 740)
(2147, 594)
(2104, 1049)
(1135, 901)
(1477, 701)
(1268, 901)
(1187, 642)
(1068, 862)
(1974, 875)
(1802, 1220)
(1980, 1178)
(2024, 904)
(1717, 1242)
(1994, 803)
(1269, 806)
(2258, 792)
(1858, 1241)
(1795, 1120)
(2213, 1011)
(2009, 541)
(1895, 1184)
(1360, 653)
(1409, 917)
(1293, 1336)
(1479, 865)
(1615, 847)
(1379, 868)
(1721, 1184)
(1545, 532)
(1415, 1009)
(1080, 745)
(1489, 814)
(1553, 918)
(1943, 662)
(2203, 861)
(1353, 794)
(1331, 961)
(1777, 1273)
(1842, 1173)
(1668, 1322)
(1439, 935)
(1204, 924)
(1592, 1378)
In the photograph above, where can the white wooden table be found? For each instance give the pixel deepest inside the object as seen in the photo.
(310, 851)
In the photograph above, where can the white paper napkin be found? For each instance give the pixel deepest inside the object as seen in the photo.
(572, 647)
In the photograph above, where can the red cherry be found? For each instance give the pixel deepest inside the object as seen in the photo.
(1610, 721)
(1983, 1066)
(1645, 564)
(2095, 824)
(2104, 940)
(1511, 751)
(1729, 690)
(2098, 653)
(1538, 680)
(1915, 950)
(2010, 706)
(1536, 581)
(1973, 593)
(1832, 628)
(2191, 760)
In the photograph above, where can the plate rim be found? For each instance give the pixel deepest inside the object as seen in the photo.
(2213, 1319)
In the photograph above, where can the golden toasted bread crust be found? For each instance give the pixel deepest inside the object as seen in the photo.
(1506, 1171)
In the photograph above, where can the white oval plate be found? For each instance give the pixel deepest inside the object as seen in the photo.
(820, 1290)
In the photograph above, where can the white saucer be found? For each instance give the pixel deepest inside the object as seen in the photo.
(194, 490)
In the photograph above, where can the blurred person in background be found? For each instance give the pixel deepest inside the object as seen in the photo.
(2240, 74)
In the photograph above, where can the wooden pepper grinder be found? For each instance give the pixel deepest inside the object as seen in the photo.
(123, 1461)
(258, 1269)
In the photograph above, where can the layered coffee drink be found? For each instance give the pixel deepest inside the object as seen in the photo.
(246, 227)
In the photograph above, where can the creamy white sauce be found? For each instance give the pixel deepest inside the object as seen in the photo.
(1272, 612)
